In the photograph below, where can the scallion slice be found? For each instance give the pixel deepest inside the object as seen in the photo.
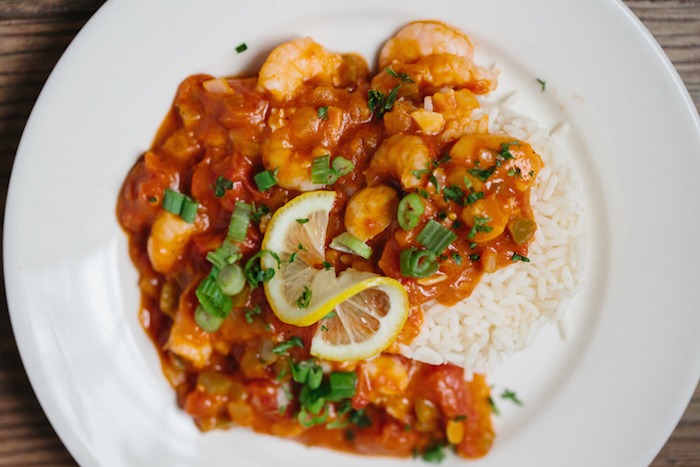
(180, 204)
(231, 279)
(172, 201)
(348, 243)
(321, 173)
(189, 210)
(265, 180)
(227, 253)
(212, 298)
(435, 236)
(240, 219)
(342, 385)
(417, 263)
(342, 166)
(410, 209)
(205, 321)
(315, 377)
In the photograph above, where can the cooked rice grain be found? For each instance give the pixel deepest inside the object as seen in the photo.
(509, 307)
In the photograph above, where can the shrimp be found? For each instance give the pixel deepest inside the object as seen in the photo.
(423, 38)
(186, 338)
(168, 240)
(370, 211)
(432, 55)
(295, 63)
(399, 157)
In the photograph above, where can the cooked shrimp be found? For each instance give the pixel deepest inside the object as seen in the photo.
(398, 157)
(370, 211)
(295, 63)
(383, 381)
(188, 341)
(168, 240)
(424, 38)
(456, 107)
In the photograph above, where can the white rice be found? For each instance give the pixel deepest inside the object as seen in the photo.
(509, 307)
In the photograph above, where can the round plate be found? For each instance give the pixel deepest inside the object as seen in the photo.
(610, 394)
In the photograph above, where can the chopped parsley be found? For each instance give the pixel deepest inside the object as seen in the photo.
(404, 77)
(258, 212)
(508, 394)
(434, 454)
(494, 407)
(480, 225)
(483, 174)
(250, 313)
(380, 103)
(505, 150)
(516, 257)
(457, 258)
(303, 221)
(242, 47)
(327, 265)
(474, 257)
(543, 84)
(283, 347)
(305, 298)
(221, 186)
(323, 113)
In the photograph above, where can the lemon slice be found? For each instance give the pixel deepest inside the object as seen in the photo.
(369, 310)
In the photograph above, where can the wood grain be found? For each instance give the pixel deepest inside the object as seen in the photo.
(34, 33)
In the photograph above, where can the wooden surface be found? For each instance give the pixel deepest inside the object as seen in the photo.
(34, 33)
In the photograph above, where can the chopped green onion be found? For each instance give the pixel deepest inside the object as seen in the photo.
(418, 263)
(242, 47)
(206, 321)
(172, 201)
(240, 219)
(189, 210)
(231, 279)
(181, 205)
(348, 243)
(342, 166)
(457, 258)
(212, 298)
(327, 265)
(227, 253)
(436, 237)
(343, 385)
(315, 377)
(410, 209)
(265, 180)
(360, 418)
(321, 173)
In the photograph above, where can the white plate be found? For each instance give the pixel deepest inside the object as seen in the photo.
(609, 395)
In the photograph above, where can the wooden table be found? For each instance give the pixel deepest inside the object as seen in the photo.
(34, 34)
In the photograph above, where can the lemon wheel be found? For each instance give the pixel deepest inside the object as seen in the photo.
(360, 313)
